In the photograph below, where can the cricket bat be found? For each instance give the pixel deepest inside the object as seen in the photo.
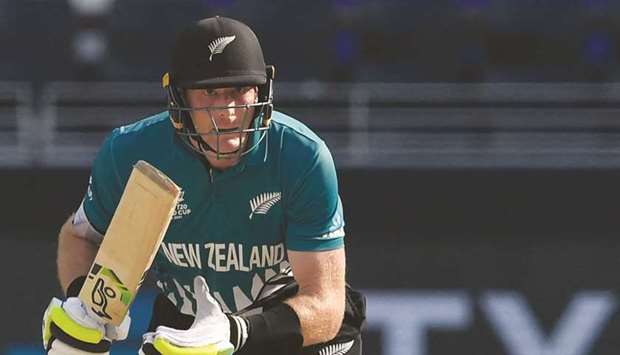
(130, 243)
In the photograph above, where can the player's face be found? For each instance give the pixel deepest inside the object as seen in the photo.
(215, 111)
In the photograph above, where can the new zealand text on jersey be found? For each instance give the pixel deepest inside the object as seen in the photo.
(223, 257)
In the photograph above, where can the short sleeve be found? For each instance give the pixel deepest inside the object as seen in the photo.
(104, 188)
(314, 214)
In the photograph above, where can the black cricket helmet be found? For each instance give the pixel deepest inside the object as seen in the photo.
(219, 52)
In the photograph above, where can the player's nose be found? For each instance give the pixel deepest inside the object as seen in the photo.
(226, 118)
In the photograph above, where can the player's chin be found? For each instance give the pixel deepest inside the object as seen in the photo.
(226, 146)
(232, 156)
(228, 154)
(222, 161)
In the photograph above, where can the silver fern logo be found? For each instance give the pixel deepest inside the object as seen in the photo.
(262, 203)
(218, 45)
(337, 349)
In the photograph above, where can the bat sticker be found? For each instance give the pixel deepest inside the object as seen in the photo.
(107, 287)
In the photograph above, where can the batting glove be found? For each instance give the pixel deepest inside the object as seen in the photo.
(69, 328)
(208, 335)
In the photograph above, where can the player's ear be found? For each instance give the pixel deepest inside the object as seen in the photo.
(256, 96)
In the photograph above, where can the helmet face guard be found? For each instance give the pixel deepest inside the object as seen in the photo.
(253, 129)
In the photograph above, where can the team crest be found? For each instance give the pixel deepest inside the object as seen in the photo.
(218, 45)
(337, 349)
(262, 203)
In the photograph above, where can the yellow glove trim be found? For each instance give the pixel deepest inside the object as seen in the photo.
(47, 331)
(165, 80)
(165, 348)
(71, 327)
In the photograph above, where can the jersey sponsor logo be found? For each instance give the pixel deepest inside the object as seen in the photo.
(217, 46)
(89, 190)
(338, 233)
(262, 203)
(223, 257)
(337, 349)
(182, 209)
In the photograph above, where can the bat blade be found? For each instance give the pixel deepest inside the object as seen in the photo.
(130, 243)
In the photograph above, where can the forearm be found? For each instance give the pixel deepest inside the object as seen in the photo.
(320, 301)
(320, 314)
(75, 255)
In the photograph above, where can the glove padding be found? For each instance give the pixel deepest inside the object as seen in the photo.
(70, 328)
(208, 335)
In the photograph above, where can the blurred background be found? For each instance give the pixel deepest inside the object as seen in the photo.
(477, 145)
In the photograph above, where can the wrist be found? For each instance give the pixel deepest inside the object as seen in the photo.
(75, 286)
(276, 330)
(239, 331)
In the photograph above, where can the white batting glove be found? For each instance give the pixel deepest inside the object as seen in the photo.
(70, 328)
(208, 335)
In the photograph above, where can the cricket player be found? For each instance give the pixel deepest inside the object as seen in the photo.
(253, 261)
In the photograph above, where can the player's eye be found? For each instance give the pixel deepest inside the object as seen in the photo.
(210, 92)
(237, 92)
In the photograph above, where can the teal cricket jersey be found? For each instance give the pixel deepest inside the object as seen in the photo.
(233, 226)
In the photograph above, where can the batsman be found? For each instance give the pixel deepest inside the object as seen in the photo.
(253, 260)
